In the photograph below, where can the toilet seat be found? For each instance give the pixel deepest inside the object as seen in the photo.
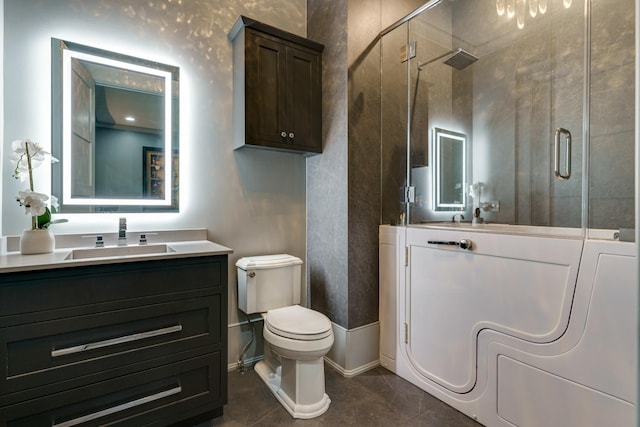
(298, 323)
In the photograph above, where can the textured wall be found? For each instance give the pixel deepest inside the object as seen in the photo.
(364, 23)
(327, 185)
(251, 201)
(343, 185)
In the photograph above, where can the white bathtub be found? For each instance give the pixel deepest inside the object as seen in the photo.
(527, 328)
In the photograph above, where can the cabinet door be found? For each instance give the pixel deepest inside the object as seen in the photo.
(304, 108)
(265, 91)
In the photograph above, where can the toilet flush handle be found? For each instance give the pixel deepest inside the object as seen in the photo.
(252, 274)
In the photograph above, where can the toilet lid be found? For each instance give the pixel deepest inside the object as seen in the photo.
(267, 261)
(298, 323)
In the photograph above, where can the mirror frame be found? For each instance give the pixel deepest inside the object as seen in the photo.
(62, 54)
(439, 135)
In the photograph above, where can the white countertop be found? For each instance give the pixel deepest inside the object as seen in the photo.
(15, 262)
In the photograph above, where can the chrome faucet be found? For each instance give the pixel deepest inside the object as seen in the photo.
(477, 219)
(122, 232)
(457, 218)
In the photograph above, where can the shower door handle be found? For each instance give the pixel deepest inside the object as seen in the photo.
(567, 163)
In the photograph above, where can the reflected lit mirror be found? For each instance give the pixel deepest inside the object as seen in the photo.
(449, 169)
(115, 131)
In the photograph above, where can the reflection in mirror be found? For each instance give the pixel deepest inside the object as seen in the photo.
(109, 112)
(449, 170)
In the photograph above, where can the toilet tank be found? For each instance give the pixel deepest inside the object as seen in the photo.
(267, 282)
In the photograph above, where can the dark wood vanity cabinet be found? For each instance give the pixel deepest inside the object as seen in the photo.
(141, 343)
(277, 89)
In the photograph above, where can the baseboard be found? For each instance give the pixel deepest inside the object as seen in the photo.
(350, 373)
(387, 362)
(355, 350)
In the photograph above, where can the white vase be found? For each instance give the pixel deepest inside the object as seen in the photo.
(37, 242)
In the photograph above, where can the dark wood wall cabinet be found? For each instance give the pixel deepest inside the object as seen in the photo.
(277, 86)
(133, 344)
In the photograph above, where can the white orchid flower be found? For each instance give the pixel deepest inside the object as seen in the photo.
(37, 155)
(34, 203)
(28, 155)
(55, 204)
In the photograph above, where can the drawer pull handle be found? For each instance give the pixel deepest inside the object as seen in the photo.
(118, 408)
(115, 341)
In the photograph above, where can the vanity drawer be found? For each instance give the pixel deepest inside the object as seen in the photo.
(69, 349)
(158, 396)
(49, 294)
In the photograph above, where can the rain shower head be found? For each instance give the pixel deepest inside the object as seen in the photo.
(458, 59)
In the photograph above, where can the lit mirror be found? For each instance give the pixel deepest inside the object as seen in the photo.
(114, 130)
(449, 170)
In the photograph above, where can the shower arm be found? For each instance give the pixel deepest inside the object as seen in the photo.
(423, 64)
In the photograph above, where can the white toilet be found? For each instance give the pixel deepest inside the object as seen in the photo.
(295, 338)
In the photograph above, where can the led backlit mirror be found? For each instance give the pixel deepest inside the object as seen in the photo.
(449, 170)
(115, 131)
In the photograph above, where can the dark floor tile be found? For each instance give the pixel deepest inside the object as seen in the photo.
(401, 394)
(249, 400)
(441, 415)
(281, 417)
(374, 398)
(370, 411)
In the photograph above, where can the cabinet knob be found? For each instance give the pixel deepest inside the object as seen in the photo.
(283, 134)
(291, 135)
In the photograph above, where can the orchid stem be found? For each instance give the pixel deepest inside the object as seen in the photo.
(34, 219)
(26, 149)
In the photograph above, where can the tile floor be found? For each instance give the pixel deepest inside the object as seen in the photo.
(374, 398)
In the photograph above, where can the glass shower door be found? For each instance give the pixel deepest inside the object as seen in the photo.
(512, 93)
(394, 118)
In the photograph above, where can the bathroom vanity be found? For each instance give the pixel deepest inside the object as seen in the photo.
(139, 339)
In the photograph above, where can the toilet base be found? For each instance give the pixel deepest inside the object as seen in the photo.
(272, 377)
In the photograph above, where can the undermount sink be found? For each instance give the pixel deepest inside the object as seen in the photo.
(118, 251)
